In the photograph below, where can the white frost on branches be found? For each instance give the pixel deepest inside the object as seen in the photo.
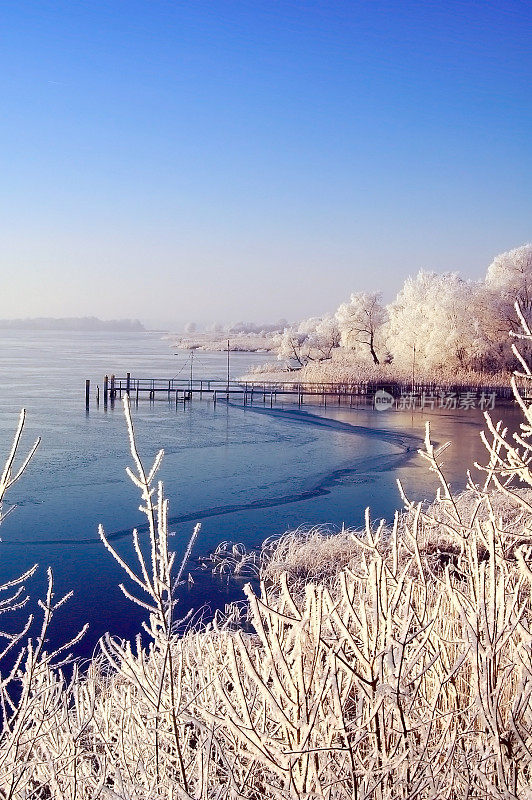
(451, 323)
(360, 322)
(313, 339)
(441, 317)
(509, 279)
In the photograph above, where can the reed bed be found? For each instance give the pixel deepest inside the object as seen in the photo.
(391, 663)
(347, 369)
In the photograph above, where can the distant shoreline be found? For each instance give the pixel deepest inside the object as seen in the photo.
(86, 324)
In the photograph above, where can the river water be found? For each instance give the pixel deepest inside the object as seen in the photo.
(244, 473)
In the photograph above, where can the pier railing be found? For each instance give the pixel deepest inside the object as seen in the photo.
(412, 394)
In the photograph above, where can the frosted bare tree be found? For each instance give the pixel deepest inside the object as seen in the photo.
(360, 323)
(313, 339)
(509, 279)
(441, 315)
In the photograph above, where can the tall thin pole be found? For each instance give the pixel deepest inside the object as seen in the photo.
(228, 366)
(191, 368)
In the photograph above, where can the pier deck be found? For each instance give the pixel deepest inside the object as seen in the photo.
(182, 390)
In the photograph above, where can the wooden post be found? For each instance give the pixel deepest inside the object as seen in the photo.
(128, 382)
(112, 390)
(137, 395)
(87, 392)
(105, 389)
(97, 395)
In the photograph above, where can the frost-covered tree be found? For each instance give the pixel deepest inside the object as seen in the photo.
(360, 323)
(325, 337)
(293, 346)
(509, 278)
(441, 316)
(313, 339)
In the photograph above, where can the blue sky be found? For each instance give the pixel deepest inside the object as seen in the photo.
(223, 160)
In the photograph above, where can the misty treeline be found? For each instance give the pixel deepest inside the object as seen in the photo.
(442, 321)
(71, 324)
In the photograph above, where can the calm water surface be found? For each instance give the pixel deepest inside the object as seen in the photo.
(245, 473)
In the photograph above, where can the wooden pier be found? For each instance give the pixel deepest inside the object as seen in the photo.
(180, 390)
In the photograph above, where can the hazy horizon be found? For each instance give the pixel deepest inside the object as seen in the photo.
(252, 160)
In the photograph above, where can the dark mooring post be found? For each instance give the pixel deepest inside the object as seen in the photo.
(112, 392)
(87, 392)
(105, 389)
(128, 382)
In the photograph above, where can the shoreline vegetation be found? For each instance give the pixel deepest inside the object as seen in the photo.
(439, 328)
(345, 372)
(387, 663)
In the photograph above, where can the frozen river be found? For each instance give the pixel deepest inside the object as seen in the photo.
(244, 473)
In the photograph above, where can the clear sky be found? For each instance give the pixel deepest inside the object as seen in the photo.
(219, 160)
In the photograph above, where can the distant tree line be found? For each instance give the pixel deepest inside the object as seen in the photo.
(443, 320)
(71, 324)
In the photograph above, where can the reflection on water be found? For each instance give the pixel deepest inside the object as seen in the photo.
(246, 473)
